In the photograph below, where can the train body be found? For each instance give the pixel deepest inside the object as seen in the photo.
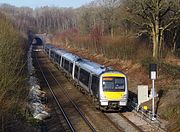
(107, 87)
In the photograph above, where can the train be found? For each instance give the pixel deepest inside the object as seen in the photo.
(107, 87)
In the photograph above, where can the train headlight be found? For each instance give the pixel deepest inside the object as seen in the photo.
(104, 103)
(103, 100)
(103, 97)
(124, 97)
(122, 103)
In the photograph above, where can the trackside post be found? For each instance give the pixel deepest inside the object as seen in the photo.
(153, 77)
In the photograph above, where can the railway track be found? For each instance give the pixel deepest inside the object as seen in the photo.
(86, 125)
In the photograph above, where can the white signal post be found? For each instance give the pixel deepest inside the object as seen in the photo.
(153, 111)
(153, 76)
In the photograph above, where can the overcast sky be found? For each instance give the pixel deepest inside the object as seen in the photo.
(39, 3)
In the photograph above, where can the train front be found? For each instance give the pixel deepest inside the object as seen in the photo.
(113, 93)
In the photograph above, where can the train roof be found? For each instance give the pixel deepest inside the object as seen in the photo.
(87, 65)
(92, 67)
(71, 57)
(49, 45)
(60, 51)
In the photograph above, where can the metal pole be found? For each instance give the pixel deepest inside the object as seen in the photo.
(153, 113)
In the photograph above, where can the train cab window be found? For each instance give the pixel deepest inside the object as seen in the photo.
(71, 68)
(95, 84)
(113, 84)
(84, 77)
(119, 83)
(76, 72)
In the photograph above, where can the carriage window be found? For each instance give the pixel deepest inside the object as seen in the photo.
(76, 72)
(95, 84)
(52, 54)
(63, 62)
(66, 64)
(59, 61)
(84, 77)
(71, 68)
(56, 57)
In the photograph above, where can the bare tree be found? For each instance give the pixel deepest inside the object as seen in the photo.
(109, 14)
(156, 16)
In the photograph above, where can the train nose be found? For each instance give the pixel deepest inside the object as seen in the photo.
(114, 96)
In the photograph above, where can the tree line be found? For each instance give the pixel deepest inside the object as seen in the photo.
(157, 22)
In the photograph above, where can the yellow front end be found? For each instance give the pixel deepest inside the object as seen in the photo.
(114, 96)
(110, 96)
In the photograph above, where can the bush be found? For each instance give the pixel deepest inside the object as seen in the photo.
(171, 111)
(177, 53)
(145, 62)
(171, 70)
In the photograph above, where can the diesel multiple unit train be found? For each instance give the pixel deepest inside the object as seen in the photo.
(107, 87)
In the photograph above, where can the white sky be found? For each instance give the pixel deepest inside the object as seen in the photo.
(39, 3)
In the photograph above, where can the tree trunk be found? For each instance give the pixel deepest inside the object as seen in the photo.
(112, 32)
(155, 45)
(155, 35)
(174, 42)
(161, 43)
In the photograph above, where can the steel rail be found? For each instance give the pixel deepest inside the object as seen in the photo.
(55, 98)
(131, 123)
(74, 104)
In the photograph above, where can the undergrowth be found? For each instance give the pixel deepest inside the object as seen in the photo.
(171, 111)
(171, 70)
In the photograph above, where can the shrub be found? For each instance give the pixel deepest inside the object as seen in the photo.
(168, 69)
(145, 62)
(177, 53)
